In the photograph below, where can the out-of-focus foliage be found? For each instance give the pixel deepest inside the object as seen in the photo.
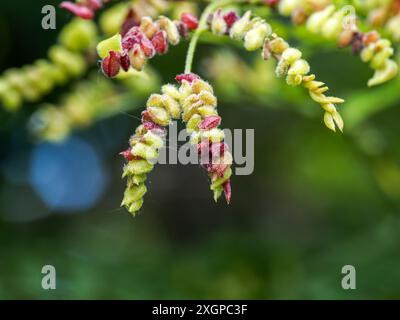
(316, 201)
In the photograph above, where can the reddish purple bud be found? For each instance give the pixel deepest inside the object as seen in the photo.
(111, 64)
(203, 147)
(189, 77)
(218, 149)
(219, 169)
(131, 20)
(125, 61)
(271, 3)
(149, 125)
(132, 37)
(78, 10)
(182, 29)
(160, 42)
(210, 122)
(230, 18)
(357, 42)
(146, 119)
(136, 36)
(190, 21)
(127, 154)
(94, 4)
(227, 190)
(147, 46)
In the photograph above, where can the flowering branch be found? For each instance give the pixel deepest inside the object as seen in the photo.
(200, 114)
(201, 28)
(84, 9)
(325, 19)
(142, 42)
(145, 143)
(256, 33)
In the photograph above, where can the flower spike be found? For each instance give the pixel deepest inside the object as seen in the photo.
(256, 33)
(145, 143)
(202, 121)
(145, 39)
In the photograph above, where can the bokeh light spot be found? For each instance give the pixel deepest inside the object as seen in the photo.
(68, 176)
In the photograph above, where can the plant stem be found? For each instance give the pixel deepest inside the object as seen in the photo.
(201, 28)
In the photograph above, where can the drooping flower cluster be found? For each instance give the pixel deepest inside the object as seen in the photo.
(195, 100)
(325, 19)
(145, 143)
(256, 33)
(84, 9)
(66, 61)
(143, 42)
(296, 71)
(332, 24)
(202, 121)
(89, 101)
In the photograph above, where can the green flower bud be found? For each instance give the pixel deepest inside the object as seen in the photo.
(71, 62)
(393, 27)
(78, 35)
(135, 206)
(240, 27)
(185, 90)
(329, 107)
(38, 77)
(172, 106)
(170, 28)
(159, 115)
(171, 90)
(367, 54)
(137, 167)
(213, 135)
(384, 74)
(282, 68)
(218, 24)
(338, 120)
(379, 60)
(286, 7)
(278, 45)
(207, 111)
(332, 120)
(199, 85)
(334, 25)
(111, 44)
(112, 19)
(9, 97)
(144, 151)
(217, 192)
(329, 122)
(138, 178)
(155, 100)
(254, 39)
(18, 81)
(220, 180)
(294, 79)
(290, 55)
(148, 27)
(133, 197)
(207, 98)
(193, 123)
(316, 21)
(300, 67)
(153, 140)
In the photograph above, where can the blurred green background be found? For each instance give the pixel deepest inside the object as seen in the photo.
(316, 201)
